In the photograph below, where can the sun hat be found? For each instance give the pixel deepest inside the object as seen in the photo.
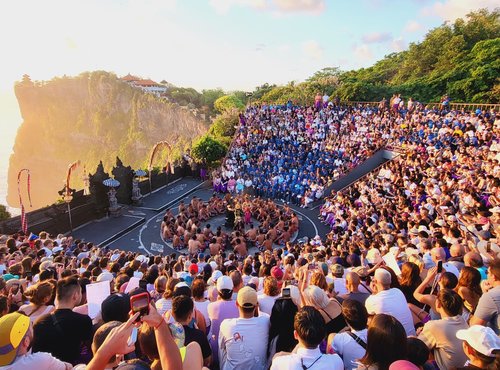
(13, 328)
(482, 338)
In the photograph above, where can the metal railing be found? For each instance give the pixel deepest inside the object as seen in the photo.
(433, 105)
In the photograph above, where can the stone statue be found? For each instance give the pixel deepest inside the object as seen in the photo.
(136, 192)
(113, 202)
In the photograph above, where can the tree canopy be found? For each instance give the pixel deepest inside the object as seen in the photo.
(461, 59)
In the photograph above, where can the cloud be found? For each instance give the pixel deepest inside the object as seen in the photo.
(363, 52)
(376, 37)
(413, 26)
(398, 44)
(453, 9)
(300, 6)
(279, 7)
(312, 49)
(223, 6)
(260, 47)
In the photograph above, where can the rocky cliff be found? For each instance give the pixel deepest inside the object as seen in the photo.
(94, 116)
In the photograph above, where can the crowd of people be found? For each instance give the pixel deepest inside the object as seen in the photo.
(276, 226)
(293, 153)
(408, 277)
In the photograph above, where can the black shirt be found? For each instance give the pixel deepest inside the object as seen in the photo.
(196, 335)
(62, 334)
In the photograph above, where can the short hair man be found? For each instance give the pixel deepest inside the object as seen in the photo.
(309, 330)
(488, 307)
(440, 335)
(352, 345)
(63, 332)
(390, 301)
(352, 284)
(182, 311)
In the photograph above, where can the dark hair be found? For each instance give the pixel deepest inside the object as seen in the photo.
(418, 352)
(282, 321)
(387, 342)
(226, 294)
(449, 280)
(198, 288)
(66, 287)
(450, 301)
(182, 307)
(495, 268)
(101, 335)
(310, 326)
(355, 314)
(4, 307)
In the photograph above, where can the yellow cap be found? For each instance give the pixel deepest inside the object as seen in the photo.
(13, 328)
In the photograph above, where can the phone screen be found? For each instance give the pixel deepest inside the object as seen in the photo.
(286, 293)
(440, 267)
(139, 304)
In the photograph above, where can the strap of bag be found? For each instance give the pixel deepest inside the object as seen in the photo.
(357, 339)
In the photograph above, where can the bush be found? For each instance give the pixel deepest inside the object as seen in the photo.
(209, 149)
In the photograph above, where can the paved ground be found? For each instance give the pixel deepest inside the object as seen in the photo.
(139, 228)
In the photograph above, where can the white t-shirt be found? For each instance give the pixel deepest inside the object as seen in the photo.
(38, 361)
(266, 303)
(243, 343)
(203, 308)
(307, 356)
(346, 346)
(392, 302)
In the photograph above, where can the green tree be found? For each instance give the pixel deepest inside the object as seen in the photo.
(209, 96)
(227, 102)
(209, 149)
(224, 124)
(4, 214)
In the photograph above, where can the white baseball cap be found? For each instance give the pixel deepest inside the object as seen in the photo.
(105, 276)
(482, 338)
(224, 282)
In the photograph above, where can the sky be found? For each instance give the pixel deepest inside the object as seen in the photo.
(232, 44)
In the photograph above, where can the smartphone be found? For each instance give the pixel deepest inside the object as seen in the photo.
(440, 267)
(140, 303)
(133, 336)
(143, 284)
(311, 266)
(285, 293)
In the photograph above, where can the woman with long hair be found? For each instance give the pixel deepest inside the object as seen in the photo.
(165, 303)
(409, 281)
(39, 295)
(386, 343)
(281, 336)
(469, 287)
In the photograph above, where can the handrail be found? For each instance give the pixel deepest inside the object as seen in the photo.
(370, 172)
(453, 106)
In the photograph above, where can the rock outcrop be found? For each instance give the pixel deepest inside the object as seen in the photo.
(94, 116)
